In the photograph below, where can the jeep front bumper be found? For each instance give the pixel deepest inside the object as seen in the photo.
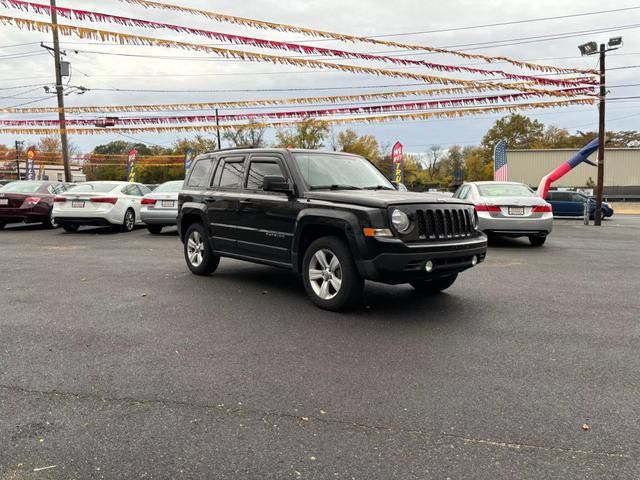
(410, 264)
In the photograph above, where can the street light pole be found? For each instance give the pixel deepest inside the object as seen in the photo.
(591, 48)
(597, 216)
(60, 93)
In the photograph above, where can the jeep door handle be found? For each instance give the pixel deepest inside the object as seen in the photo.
(246, 202)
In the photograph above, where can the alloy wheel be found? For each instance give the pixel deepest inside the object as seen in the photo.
(195, 249)
(325, 274)
(129, 220)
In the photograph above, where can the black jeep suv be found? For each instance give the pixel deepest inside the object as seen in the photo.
(333, 217)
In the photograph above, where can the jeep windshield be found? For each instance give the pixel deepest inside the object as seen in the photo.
(334, 171)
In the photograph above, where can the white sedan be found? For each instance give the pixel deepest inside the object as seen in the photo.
(100, 203)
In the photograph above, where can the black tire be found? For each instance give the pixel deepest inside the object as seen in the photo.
(154, 229)
(345, 274)
(129, 221)
(49, 222)
(196, 240)
(537, 240)
(70, 227)
(436, 285)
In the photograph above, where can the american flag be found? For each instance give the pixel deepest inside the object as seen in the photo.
(500, 165)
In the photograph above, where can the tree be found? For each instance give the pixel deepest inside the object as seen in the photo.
(250, 135)
(309, 133)
(519, 132)
(365, 145)
(52, 145)
(432, 161)
(475, 169)
(198, 144)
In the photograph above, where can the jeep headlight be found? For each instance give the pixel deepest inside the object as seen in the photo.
(474, 219)
(400, 221)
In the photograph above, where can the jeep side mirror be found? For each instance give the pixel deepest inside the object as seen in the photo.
(276, 183)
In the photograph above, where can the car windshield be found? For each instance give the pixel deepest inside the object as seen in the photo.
(505, 190)
(337, 171)
(94, 187)
(174, 186)
(21, 187)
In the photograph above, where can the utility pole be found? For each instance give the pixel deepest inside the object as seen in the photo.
(218, 130)
(18, 147)
(591, 48)
(60, 93)
(597, 216)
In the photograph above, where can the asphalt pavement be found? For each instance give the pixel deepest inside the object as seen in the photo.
(116, 362)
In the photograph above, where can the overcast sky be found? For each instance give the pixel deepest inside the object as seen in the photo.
(96, 67)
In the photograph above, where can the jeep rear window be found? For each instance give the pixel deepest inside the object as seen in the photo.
(323, 170)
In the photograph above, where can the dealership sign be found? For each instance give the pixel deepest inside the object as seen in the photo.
(131, 165)
(30, 171)
(398, 163)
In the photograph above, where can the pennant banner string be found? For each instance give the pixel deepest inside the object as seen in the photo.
(367, 109)
(128, 39)
(333, 121)
(267, 102)
(281, 27)
(85, 15)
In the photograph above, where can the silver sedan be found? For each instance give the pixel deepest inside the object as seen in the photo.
(509, 209)
(160, 207)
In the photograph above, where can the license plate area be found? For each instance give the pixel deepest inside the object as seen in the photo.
(77, 204)
(168, 204)
(4, 201)
(516, 210)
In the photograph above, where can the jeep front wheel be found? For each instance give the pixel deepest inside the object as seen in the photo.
(330, 276)
(197, 251)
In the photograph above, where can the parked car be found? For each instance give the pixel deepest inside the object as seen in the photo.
(29, 202)
(3, 182)
(509, 209)
(332, 217)
(100, 203)
(571, 204)
(160, 207)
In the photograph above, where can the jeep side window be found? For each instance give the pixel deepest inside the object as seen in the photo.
(231, 175)
(199, 173)
(257, 171)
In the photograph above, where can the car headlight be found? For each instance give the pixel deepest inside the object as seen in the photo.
(400, 221)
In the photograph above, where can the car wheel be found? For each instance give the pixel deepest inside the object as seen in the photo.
(197, 252)
(435, 285)
(537, 240)
(330, 276)
(70, 228)
(129, 221)
(50, 222)
(154, 229)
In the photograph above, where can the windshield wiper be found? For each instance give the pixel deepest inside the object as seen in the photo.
(335, 187)
(379, 187)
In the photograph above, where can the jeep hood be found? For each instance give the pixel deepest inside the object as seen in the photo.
(381, 198)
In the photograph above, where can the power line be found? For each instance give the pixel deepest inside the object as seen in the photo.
(514, 22)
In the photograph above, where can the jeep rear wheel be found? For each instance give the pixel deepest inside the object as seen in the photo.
(197, 251)
(436, 285)
(330, 276)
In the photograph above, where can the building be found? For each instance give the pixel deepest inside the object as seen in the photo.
(621, 169)
(54, 173)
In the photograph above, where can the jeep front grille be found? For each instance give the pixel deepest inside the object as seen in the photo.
(444, 223)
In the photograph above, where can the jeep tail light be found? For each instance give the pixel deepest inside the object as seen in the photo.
(542, 209)
(148, 201)
(59, 199)
(111, 200)
(487, 208)
(31, 201)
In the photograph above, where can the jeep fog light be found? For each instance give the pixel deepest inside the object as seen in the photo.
(400, 221)
(428, 266)
(474, 261)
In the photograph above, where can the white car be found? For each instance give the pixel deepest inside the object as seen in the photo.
(100, 203)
